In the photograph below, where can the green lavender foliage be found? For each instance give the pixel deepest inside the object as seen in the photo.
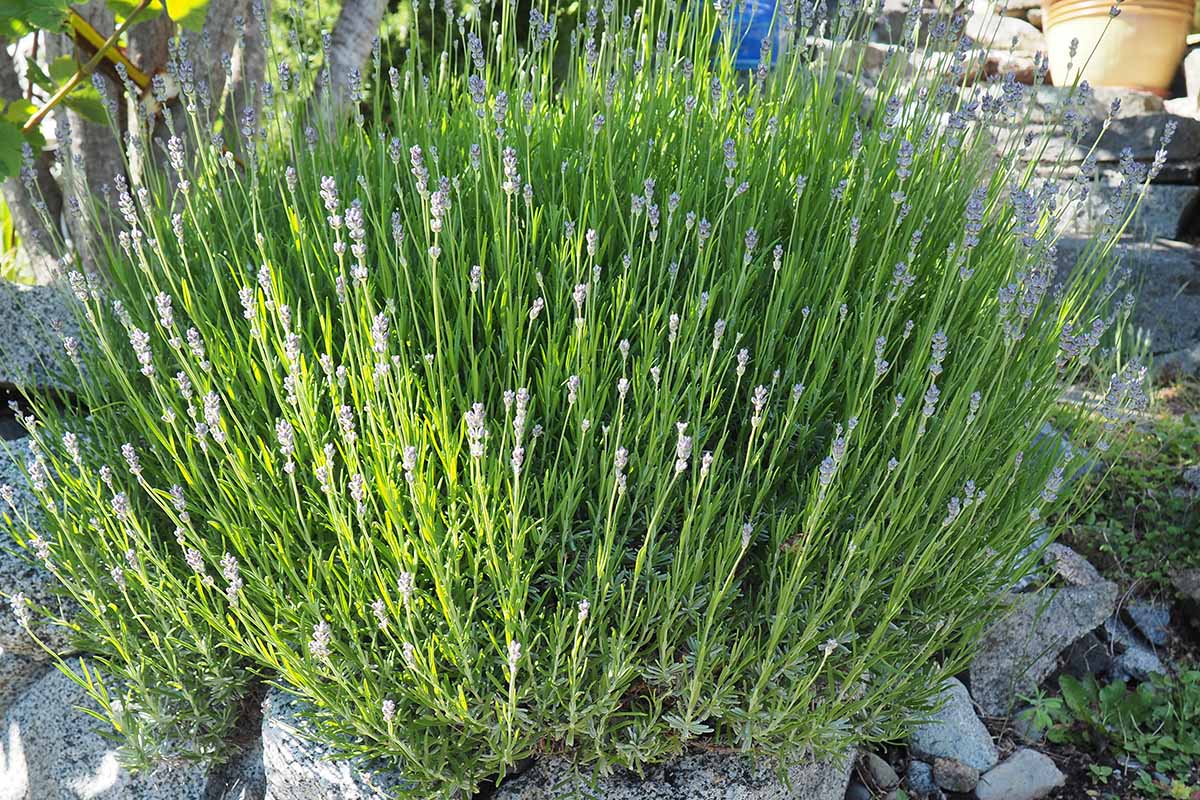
(614, 412)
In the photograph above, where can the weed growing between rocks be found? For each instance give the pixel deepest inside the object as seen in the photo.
(639, 407)
(1149, 730)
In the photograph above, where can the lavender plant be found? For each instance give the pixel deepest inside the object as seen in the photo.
(614, 411)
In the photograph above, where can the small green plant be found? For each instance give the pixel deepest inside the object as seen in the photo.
(1155, 724)
(1044, 709)
(1100, 773)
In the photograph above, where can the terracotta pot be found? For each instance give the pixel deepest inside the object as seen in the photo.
(1139, 49)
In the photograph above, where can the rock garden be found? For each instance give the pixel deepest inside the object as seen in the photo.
(532, 402)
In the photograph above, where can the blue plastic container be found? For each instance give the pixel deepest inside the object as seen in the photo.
(750, 22)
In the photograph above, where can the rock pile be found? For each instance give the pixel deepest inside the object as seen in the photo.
(1072, 621)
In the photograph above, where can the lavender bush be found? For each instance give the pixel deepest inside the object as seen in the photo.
(617, 411)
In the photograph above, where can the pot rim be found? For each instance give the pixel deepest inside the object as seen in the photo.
(1079, 9)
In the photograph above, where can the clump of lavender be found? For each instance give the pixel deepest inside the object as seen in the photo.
(458, 432)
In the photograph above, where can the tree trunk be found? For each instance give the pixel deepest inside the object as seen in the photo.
(353, 36)
(249, 68)
(94, 158)
(31, 212)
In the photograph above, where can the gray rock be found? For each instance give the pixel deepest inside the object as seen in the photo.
(1047, 102)
(856, 791)
(880, 772)
(299, 768)
(919, 779)
(1191, 476)
(1134, 660)
(1165, 279)
(33, 322)
(16, 673)
(1001, 63)
(954, 776)
(1035, 576)
(243, 778)
(1088, 656)
(993, 32)
(1151, 620)
(1136, 664)
(1025, 775)
(1184, 361)
(1063, 449)
(54, 751)
(1070, 566)
(954, 731)
(1142, 133)
(1020, 650)
(1187, 586)
(889, 23)
(1158, 216)
(699, 776)
(19, 573)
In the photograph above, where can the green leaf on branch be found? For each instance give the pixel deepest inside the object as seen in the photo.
(21, 16)
(38, 77)
(83, 99)
(62, 68)
(12, 29)
(17, 112)
(86, 101)
(10, 149)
